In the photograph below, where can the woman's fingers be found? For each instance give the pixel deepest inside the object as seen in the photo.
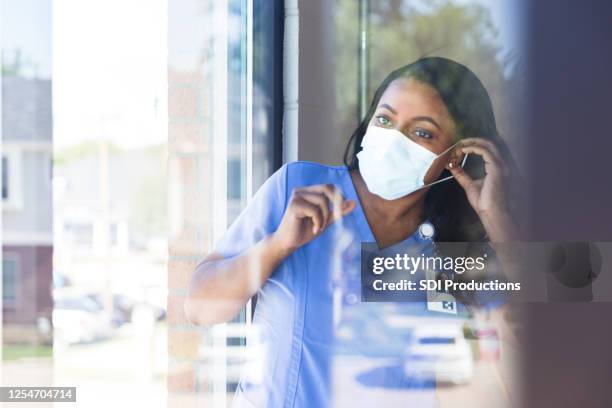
(464, 179)
(345, 208)
(348, 206)
(492, 165)
(306, 209)
(333, 195)
(319, 200)
(325, 196)
(478, 141)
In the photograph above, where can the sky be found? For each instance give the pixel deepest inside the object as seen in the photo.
(26, 25)
(107, 59)
(109, 72)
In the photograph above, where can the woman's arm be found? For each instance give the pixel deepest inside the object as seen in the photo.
(220, 287)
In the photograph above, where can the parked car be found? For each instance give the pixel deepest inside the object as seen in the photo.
(79, 319)
(439, 353)
(123, 307)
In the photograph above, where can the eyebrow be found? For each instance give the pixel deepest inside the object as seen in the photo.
(427, 119)
(415, 119)
(389, 108)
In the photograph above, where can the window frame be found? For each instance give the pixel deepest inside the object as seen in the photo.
(236, 139)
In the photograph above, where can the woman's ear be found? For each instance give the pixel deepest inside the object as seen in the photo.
(456, 158)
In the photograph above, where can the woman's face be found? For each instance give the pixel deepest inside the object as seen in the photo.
(416, 110)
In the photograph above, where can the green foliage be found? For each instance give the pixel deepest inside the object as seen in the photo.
(80, 151)
(402, 31)
(18, 351)
(15, 63)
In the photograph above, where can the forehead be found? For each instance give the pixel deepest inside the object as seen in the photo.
(412, 98)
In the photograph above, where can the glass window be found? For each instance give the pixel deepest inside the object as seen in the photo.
(225, 104)
(9, 281)
(5, 178)
(12, 174)
(80, 234)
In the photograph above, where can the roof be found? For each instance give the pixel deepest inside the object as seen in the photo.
(26, 109)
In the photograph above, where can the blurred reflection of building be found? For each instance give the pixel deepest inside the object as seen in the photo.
(27, 135)
(84, 222)
(102, 232)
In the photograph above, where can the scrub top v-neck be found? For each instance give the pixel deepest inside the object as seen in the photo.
(294, 317)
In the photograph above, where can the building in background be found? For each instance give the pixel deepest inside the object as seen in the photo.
(109, 219)
(27, 238)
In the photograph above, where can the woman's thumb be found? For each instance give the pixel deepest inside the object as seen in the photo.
(347, 206)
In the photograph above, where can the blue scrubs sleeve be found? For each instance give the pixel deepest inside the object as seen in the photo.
(260, 218)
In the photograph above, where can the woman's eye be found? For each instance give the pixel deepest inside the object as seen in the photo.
(423, 133)
(383, 120)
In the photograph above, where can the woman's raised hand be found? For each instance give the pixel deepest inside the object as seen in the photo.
(488, 195)
(310, 211)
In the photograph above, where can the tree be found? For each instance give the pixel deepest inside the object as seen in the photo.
(402, 31)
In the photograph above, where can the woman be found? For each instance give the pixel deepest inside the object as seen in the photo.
(403, 170)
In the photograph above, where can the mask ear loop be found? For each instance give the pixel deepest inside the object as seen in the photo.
(449, 177)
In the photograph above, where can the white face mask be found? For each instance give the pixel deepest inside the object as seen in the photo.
(394, 166)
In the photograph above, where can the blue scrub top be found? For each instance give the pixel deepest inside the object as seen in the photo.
(297, 305)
